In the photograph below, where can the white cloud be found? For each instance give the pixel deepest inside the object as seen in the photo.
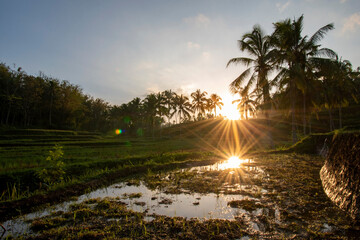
(282, 7)
(343, 1)
(192, 45)
(199, 21)
(351, 23)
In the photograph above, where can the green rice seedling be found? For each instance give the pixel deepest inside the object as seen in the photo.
(55, 170)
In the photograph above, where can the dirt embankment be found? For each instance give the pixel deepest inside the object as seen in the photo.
(340, 174)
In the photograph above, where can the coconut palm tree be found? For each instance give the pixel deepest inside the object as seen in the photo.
(209, 106)
(337, 86)
(216, 102)
(293, 51)
(246, 104)
(161, 109)
(343, 73)
(169, 98)
(199, 101)
(259, 65)
(154, 109)
(183, 107)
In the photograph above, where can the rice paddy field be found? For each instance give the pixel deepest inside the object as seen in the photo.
(117, 187)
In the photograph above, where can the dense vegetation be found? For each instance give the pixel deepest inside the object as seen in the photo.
(308, 78)
(45, 102)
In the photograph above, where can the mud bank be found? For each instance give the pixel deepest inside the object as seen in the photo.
(340, 174)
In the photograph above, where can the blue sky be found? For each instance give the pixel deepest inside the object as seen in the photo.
(118, 50)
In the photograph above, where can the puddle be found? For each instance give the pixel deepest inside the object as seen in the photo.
(196, 205)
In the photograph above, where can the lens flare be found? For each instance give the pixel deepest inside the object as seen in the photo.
(118, 131)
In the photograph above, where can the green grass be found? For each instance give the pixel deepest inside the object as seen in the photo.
(86, 156)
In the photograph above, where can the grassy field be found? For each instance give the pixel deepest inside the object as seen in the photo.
(88, 157)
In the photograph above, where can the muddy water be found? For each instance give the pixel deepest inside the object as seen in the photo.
(155, 201)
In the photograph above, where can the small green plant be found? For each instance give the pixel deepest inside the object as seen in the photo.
(54, 172)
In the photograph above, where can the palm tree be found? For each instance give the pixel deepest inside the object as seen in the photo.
(344, 84)
(257, 45)
(216, 102)
(294, 50)
(161, 109)
(150, 104)
(337, 83)
(246, 104)
(199, 101)
(169, 98)
(209, 106)
(183, 107)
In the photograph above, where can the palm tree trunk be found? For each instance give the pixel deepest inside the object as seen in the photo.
(8, 114)
(267, 102)
(293, 130)
(153, 126)
(330, 120)
(304, 114)
(340, 117)
(246, 112)
(25, 117)
(51, 103)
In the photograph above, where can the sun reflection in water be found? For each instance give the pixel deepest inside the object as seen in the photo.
(232, 162)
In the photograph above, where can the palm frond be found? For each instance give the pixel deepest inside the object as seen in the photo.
(240, 60)
(319, 34)
(239, 80)
(326, 52)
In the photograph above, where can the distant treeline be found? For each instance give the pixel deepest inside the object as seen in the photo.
(45, 102)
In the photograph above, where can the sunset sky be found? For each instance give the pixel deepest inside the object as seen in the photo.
(118, 50)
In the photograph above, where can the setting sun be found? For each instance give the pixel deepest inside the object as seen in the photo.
(229, 111)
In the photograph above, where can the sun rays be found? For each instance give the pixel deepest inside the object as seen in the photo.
(231, 141)
(228, 138)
